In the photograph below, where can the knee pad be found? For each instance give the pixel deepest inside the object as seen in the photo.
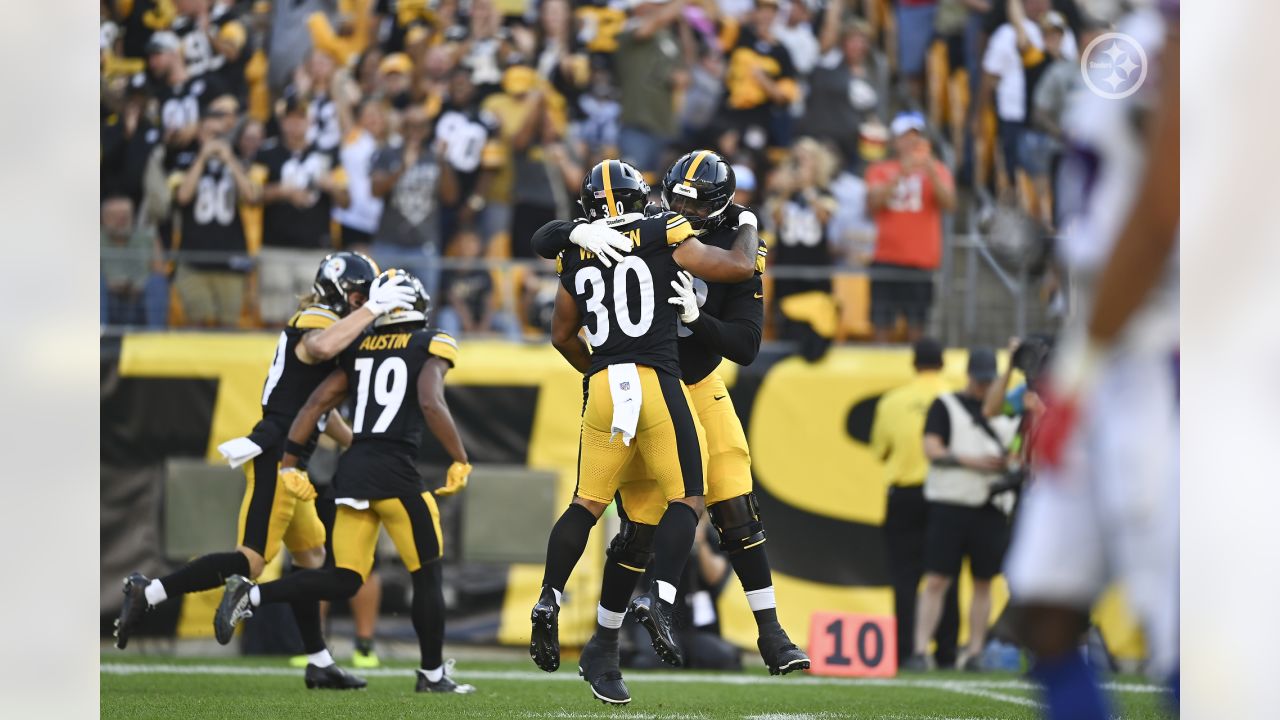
(738, 522)
(632, 546)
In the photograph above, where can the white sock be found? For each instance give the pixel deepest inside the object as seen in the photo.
(558, 594)
(666, 591)
(761, 599)
(255, 599)
(432, 675)
(319, 659)
(608, 618)
(155, 593)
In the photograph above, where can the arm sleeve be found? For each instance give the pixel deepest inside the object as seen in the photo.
(551, 238)
(736, 335)
(937, 422)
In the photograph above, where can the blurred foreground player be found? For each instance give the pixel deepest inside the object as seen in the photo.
(397, 373)
(346, 298)
(634, 391)
(1103, 504)
(718, 320)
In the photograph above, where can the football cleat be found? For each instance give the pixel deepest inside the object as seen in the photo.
(233, 608)
(364, 660)
(134, 608)
(918, 663)
(654, 615)
(332, 677)
(781, 655)
(544, 643)
(445, 684)
(598, 665)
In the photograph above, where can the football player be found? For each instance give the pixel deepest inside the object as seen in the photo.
(1103, 502)
(636, 405)
(718, 320)
(397, 375)
(346, 298)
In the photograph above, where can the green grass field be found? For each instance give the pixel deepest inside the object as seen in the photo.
(149, 687)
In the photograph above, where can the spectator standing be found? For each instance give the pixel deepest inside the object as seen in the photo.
(897, 437)
(760, 79)
(546, 177)
(1049, 104)
(301, 184)
(515, 110)
(1013, 46)
(210, 184)
(967, 453)
(358, 221)
(213, 42)
(412, 181)
(181, 96)
(914, 20)
(134, 288)
(314, 83)
(128, 138)
(848, 87)
(467, 306)
(906, 196)
(469, 137)
(645, 64)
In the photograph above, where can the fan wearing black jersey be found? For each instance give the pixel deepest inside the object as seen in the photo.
(346, 299)
(637, 407)
(396, 373)
(718, 320)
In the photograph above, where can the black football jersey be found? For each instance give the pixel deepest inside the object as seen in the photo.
(283, 224)
(382, 370)
(290, 381)
(624, 308)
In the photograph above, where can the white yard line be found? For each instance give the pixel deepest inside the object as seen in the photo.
(976, 691)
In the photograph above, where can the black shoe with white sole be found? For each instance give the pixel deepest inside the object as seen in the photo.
(598, 665)
(779, 653)
(544, 642)
(654, 615)
(233, 608)
(445, 684)
(134, 608)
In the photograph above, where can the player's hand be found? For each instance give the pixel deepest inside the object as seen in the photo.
(685, 298)
(606, 243)
(1069, 380)
(298, 483)
(389, 293)
(455, 479)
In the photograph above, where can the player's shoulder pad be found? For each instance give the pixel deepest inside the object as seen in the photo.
(313, 317)
(443, 345)
(678, 228)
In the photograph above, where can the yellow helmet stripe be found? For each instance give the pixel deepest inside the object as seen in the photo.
(693, 166)
(608, 189)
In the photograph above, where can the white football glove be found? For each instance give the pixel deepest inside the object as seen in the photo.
(390, 293)
(686, 299)
(606, 243)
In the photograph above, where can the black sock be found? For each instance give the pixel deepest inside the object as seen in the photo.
(306, 612)
(672, 542)
(330, 584)
(364, 646)
(205, 573)
(564, 547)
(428, 614)
(752, 568)
(615, 592)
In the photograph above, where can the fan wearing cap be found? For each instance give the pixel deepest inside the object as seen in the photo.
(301, 184)
(760, 78)
(968, 454)
(181, 95)
(906, 196)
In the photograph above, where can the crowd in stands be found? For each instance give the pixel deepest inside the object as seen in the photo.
(242, 141)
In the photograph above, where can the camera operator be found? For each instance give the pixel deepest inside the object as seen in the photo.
(968, 455)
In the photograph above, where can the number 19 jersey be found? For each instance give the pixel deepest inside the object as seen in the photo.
(625, 308)
(382, 370)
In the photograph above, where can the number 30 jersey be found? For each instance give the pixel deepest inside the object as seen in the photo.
(625, 308)
(382, 370)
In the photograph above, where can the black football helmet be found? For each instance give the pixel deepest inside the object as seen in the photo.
(341, 274)
(699, 186)
(613, 188)
(417, 315)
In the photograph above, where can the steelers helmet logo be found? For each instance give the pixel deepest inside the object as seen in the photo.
(334, 268)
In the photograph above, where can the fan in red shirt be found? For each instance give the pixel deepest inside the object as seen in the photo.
(906, 196)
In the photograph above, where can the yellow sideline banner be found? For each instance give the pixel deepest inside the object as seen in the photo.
(796, 415)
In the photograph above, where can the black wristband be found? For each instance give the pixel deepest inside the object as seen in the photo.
(295, 449)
